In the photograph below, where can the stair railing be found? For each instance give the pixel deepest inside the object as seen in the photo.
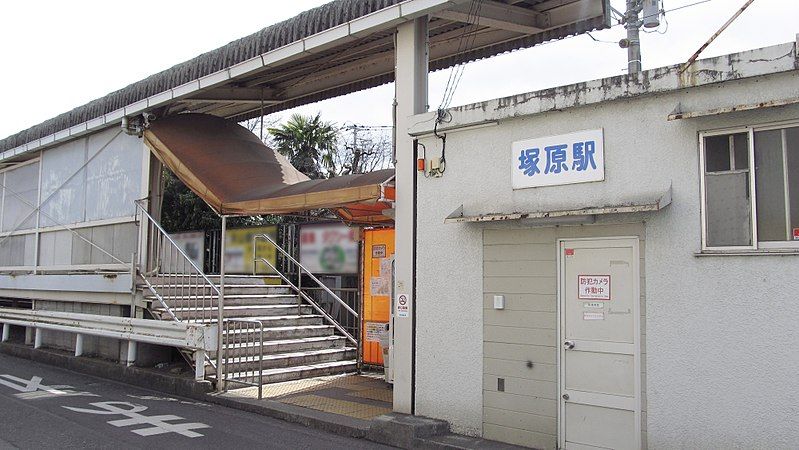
(297, 287)
(184, 292)
(244, 358)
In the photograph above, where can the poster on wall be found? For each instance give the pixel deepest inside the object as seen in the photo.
(554, 160)
(193, 245)
(238, 250)
(329, 248)
(375, 331)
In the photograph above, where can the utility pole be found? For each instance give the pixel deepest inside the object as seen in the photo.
(633, 24)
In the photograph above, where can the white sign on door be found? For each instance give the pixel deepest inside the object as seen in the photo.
(593, 287)
(566, 159)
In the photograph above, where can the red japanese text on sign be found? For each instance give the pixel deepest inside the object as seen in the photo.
(593, 287)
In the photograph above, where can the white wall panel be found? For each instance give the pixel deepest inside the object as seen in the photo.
(113, 177)
(22, 190)
(65, 189)
(63, 248)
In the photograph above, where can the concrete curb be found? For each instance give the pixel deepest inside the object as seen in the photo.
(136, 376)
(404, 431)
(320, 420)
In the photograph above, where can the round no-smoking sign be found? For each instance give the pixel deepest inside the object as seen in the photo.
(402, 306)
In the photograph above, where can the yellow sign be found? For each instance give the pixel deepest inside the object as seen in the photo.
(238, 250)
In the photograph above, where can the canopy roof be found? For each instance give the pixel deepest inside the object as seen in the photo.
(341, 47)
(236, 174)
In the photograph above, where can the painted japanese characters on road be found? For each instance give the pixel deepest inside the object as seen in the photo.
(565, 159)
(33, 389)
(157, 424)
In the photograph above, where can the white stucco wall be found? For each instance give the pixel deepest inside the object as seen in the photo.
(720, 366)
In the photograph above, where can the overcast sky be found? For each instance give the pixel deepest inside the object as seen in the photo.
(57, 55)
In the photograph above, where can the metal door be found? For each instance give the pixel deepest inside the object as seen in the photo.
(599, 359)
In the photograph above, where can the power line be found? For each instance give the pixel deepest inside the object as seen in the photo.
(659, 12)
(464, 44)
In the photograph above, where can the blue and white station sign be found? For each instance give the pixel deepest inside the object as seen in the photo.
(566, 159)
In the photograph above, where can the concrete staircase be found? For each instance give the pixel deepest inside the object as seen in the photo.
(297, 343)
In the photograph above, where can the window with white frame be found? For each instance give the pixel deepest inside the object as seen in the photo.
(750, 188)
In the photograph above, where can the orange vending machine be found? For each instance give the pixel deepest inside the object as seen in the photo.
(378, 258)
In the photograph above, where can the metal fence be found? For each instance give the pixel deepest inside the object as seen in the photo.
(244, 353)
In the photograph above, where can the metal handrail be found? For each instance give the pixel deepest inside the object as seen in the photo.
(176, 246)
(313, 303)
(160, 299)
(300, 266)
(198, 272)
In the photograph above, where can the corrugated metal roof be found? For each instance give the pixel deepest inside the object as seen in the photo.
(275, 36)
(439, 64)
(301, 26)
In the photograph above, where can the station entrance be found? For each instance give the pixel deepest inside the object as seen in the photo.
(297, 305)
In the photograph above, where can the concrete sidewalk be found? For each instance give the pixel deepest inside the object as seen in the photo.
(354, 406)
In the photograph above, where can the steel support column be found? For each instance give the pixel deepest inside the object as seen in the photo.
(78, 344)
(411, 95)
(220, 312)
(38, 338)
(133, 348)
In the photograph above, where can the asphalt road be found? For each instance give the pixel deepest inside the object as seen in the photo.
(45, 407)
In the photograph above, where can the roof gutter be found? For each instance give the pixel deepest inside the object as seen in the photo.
(362, 26)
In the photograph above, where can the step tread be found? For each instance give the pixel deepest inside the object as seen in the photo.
(227, 285)
(268, 318)
(290, 328)
(214, 275)
(295, 354)
(234, 307)
(307, 340)
(227, 296)
(286, 370)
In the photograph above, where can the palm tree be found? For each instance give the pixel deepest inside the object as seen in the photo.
(308, 143)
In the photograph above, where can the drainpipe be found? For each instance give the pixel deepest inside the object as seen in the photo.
(136, 126)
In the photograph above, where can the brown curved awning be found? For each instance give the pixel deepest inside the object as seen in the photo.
(236, 174)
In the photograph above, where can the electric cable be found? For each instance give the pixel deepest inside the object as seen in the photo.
(466, 41)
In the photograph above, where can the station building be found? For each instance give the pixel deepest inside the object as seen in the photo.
(608, 264)
(611, 264)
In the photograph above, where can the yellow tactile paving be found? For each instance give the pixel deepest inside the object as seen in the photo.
(325, 394)
(295, 387)
(337, 406)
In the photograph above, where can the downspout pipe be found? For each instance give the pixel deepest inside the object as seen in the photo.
(135, 126)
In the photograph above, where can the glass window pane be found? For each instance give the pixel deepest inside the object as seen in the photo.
(22, 193)
(741, 150)
(717, 153)
(728, 209)
(64, 184)
(113, 178)
(792, 139)
(770, 183)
